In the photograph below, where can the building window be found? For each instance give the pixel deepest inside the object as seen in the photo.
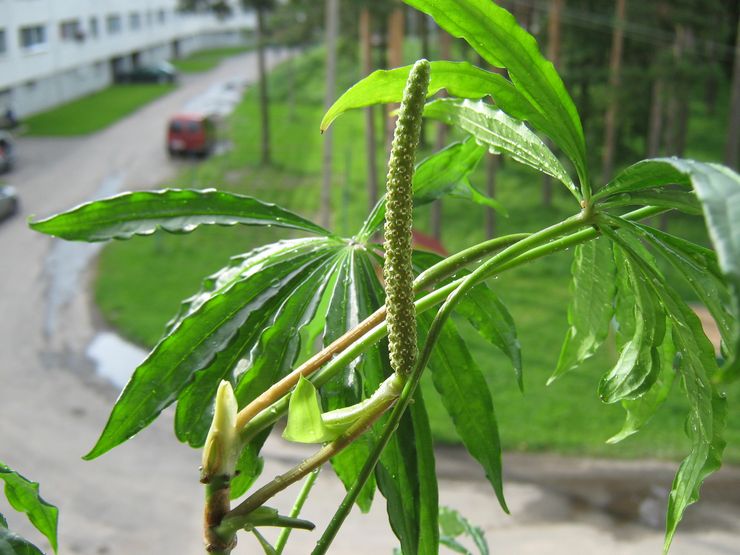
(3, 44)
(134, 21)
(93, 27)
(32, 37)
(161, 16)
(113, 24)
(70, 30)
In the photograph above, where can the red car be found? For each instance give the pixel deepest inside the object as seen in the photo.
(191, 134)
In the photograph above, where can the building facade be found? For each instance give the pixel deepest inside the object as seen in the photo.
(52, 51)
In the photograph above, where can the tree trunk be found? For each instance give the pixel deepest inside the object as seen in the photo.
(445, 44)
(366, 62)
(422, 24)
(655, 129)
(332, 23)
(395, 59)
(732, 146)
(553, 53)
(615, 69)
(264, 100)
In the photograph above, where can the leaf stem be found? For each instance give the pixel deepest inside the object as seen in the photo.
(376, 327)
(296, 510)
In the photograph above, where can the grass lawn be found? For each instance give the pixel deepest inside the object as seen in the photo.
(203, 60)
(95, 111)
(141, 281)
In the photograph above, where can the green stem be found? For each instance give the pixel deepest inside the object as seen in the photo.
(296, 510)
(271, 414)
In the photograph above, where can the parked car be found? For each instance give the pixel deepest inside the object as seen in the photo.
(163, 72)
(8, 201)
(6, 151)
(191, 134)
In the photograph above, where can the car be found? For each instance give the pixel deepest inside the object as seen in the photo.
(6, 152)
(163, 72)
(8, 201)
(191, 134)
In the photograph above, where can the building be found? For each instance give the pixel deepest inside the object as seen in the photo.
(52, 51)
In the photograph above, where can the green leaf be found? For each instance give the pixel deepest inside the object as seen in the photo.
(352, 300)
(23, 495)
(249, 466)
(718, 190)
(173, 210)
(641, 410)
(12, 544)
(305, 422)
(639, 362)
(193, 344)
(453, 525)
(3, 522)
(460, 79)
(435, 176)
(707, 409)
(501, 134)
(465, 396)
(485, 312)
(494, 34)
(590, 311)
(685, 201)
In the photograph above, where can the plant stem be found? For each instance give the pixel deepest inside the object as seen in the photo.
(296, 510)
(273, 411)
(259, 497)
(433, 274)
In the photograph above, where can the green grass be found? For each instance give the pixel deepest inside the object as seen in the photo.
(94, 112)
(141, 281)
(203, 60)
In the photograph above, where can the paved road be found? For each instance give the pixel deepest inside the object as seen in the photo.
(143, 498)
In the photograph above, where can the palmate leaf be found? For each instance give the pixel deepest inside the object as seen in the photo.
(195, 341)
(453, 525)
(195, 403)
(465, 396)
(591, 308)
(23, 496)
(173, 210)
(352, 300)
(435, 176)
(501, 134)
(718, 190)
(707, 409)
(494, 34)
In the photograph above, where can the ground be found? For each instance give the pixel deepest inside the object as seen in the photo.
(144, 496)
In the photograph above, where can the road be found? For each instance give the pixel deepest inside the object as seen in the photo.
(144, 497)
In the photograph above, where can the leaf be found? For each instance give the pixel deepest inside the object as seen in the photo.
(249, 466)
(707, 409)
(12, 544)
(434, 177)
(590, 311)
(641, 410)
(494, 34)
(23, 496)
(685, 201)
(639, 362)
(174, 210)
(501, 134)
(305, 424)
(718, 190)
(485, 312)
(453, 525)
(192, 346)
(352, 300)
(465, 396)
(460, 79)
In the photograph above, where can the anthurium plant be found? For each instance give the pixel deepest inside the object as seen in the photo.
(241, 353)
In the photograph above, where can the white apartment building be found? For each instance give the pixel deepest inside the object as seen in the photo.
(52, 51)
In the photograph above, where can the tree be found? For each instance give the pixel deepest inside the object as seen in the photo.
(332, 23)
(615, 71)
(553, 53)
(732, 146)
